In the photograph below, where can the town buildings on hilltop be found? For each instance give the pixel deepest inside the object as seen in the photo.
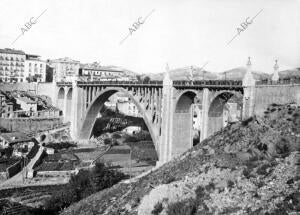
(12, 65)
(65, 69)
(17, 66)
(35, 68)
(96, 72)
(19, 104)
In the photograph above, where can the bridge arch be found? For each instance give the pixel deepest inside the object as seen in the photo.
(182, 132)
(97, 103)
(219, 106)
(185, 99)
(61, 98)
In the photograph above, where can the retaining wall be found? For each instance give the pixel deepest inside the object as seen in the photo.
(29, 124)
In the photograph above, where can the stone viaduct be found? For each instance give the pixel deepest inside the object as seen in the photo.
(167, 106)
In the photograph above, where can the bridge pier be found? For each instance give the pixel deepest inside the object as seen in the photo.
(205, 108)
(167, 120)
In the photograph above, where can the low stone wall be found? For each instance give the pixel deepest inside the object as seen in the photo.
(3, 176)
(29, 124)
(55, 173)
(19, 86)
(15, 168)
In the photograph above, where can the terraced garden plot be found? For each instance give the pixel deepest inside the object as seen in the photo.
(4, 163)
(55, 166)
(143, 151)
(89, 155)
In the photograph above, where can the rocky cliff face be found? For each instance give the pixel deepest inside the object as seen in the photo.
(250, 167)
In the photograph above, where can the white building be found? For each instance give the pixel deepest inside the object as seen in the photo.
(12, 63)
(128, 108)
(65, 69)
(132, 129)
(35, 69)
(95, 72)
(26, 104)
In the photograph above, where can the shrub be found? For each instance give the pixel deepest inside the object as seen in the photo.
(7, 152)
(158, 208)
(247, 121)
(230, 184)
(185, 207)
(61, 145)
(210, 187)
(168, 179)
(262, 170)
(107, 141)
(116, 136)
(131, 139)
(282, 147)
(85, 183)
(200, 193)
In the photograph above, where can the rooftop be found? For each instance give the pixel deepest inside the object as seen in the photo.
(98, 68)
(15, 137)
(12, 51)
(33, 57)
(63, 60)
(27, 100)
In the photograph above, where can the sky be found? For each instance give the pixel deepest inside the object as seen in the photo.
(178, 32)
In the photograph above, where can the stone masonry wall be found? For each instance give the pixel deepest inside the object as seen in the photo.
(29, 124)
(279, 94)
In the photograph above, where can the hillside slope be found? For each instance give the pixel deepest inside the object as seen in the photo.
(184, 73)
(250, 167)
(239, 73)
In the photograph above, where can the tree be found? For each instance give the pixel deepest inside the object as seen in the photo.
(138, 77)
(147, 79)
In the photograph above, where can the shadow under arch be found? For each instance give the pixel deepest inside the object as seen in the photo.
(96, 105)
(60, 98)
(69, 105)
(185, 100)
(182, 131)
(216, 109)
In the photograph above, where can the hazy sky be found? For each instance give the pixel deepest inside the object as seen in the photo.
(179, 32)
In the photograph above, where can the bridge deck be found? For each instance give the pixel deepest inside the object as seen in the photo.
(180, 83)
(176, 83)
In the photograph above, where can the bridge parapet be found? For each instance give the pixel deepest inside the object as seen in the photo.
(228, 84)
(176, 83)
(119, 83)
(282, 81)
(62, 84)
